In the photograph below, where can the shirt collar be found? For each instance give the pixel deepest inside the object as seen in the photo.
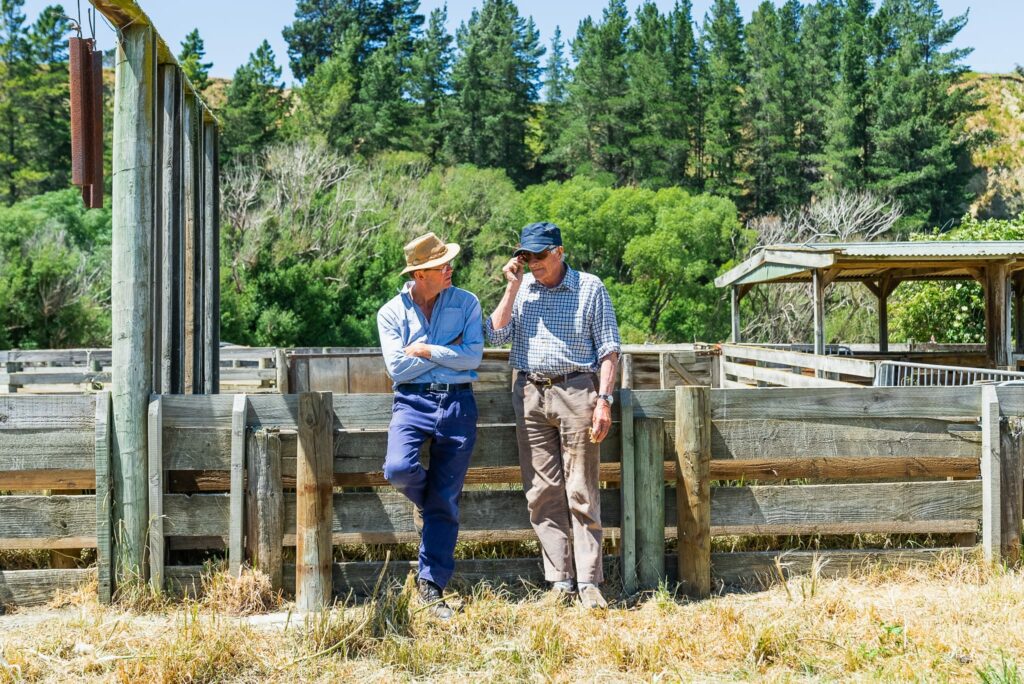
(571, 281)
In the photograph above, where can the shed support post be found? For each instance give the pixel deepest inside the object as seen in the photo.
(735, 306)
(131, 290)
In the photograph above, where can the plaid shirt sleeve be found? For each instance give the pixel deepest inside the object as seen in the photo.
(501, 335)
(603, 326)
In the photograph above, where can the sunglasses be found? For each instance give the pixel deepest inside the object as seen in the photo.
(536, 256)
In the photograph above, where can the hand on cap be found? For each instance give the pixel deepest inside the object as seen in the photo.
(513, 271)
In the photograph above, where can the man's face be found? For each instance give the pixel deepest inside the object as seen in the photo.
(544, 265)
(437, 279)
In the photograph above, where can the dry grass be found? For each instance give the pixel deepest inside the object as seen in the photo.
(956, 620)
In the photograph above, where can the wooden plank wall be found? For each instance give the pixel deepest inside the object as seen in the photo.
(842, 441)
(871, 460)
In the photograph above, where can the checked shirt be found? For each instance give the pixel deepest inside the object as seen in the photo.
(563, 329)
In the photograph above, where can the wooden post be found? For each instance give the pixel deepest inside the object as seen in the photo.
(169, 224)
(131, 293)
(211, 258)
(190, 223)
(991, 487)
(104, 540)
(734, 301)
(693, 488)
(239, 412)
(628, 492)
(265, 505)
(818, 300)
(314, 484)
(156, 495)
(997, 335)
(649, 437)
(282, 371)
(1010, 490)
(1018, 313)
(664, 379)
(627, 371)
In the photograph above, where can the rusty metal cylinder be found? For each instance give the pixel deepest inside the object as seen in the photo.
(80, 64)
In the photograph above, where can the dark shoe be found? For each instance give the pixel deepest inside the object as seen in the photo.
(433, 599)
(417, 519)
(591, 598)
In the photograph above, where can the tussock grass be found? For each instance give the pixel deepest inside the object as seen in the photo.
(958, 619)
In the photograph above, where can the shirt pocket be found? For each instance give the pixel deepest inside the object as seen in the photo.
(449, 326)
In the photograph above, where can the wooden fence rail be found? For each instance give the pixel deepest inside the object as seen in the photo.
(227, 472)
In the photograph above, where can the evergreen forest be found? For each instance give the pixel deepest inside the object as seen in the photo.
(666, 145)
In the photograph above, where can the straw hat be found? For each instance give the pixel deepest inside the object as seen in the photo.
(428, 251)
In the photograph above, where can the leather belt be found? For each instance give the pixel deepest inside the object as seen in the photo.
(434, 386)
(542, 380)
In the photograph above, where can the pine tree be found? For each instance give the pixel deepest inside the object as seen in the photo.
(652, 111)
(330, 94)
(495, 80)
(431, 82)
(919, 153)
(682, 74)
(255, 106)
(819, 50)
(557, 74)
(847, 150)
(47, 130)
(597, 139)
(726, 78)
(382, 116)
(191, 60)
(773, 106)
(321, 26)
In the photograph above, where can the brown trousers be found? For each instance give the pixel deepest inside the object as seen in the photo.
(561, 469)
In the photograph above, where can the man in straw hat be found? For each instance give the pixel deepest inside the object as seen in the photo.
(565, 345)
(431, 336)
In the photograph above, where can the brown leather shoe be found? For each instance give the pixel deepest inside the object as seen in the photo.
(591, 598)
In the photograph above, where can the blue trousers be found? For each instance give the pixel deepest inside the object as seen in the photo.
(449, 419)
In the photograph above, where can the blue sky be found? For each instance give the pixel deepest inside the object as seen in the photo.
(233, 28)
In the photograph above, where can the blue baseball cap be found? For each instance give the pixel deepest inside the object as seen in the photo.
(538, 237)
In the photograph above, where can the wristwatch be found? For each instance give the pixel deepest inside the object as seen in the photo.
(610, 398)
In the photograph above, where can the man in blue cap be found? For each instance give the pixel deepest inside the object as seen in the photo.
(565, 346)
(432, 340)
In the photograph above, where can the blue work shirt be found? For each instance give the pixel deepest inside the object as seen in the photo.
(456, 313)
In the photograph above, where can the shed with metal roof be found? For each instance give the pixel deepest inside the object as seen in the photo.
(997, 265)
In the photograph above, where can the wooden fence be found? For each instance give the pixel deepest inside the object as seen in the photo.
(223, 473)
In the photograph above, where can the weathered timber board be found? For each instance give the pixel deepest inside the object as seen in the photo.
(48, 448)
(25, 588)
(850, 508)
(778, 377)
(47, 521)
(745, 569)
(831, 403)
(30, 480)
(53, 412)
(843, 437)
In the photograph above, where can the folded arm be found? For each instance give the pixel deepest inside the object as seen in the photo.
(467, 350)
(400, 367)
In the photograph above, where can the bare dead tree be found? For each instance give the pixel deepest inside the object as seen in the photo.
(783, 313)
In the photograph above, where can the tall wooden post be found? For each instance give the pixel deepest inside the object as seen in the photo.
(1018, 315)
(211, 258)
(265, 505)
(818, 300)
(190, 149)
(649, 441)
(169, 227)
(734, 300)
(131, 293)
(693, 488)
(313, 516)
(628, 523)
(1011, 444)
(991, 494)
(997, 329)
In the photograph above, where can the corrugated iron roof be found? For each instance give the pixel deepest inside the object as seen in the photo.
(795, 262)
(930, 248)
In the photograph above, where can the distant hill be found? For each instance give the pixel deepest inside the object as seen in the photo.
(999, 182)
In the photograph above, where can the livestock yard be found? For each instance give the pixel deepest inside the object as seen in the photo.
(175, 509)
